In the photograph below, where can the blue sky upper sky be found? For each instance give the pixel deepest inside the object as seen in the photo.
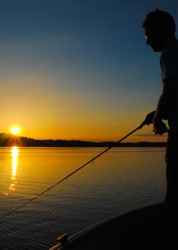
(74, 69)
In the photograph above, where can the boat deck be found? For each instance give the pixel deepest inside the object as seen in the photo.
(144, 228)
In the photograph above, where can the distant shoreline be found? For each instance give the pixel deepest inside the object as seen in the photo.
(7, 140)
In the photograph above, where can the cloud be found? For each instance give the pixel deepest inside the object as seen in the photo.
(147, 135)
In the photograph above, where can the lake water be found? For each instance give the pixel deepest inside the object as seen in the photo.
(120, 180)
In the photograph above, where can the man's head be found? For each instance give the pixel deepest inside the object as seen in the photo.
(159, 29)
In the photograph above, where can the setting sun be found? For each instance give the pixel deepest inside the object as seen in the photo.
(15, 130)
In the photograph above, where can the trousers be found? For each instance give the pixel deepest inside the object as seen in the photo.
(171, 197)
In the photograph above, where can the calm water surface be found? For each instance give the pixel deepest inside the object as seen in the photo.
(120, 180)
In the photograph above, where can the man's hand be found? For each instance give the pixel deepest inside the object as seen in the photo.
(159, 127)
(149, 118)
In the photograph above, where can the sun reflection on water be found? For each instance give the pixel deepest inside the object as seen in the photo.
(14, 154)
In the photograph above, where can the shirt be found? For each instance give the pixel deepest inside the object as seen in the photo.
(169, 68)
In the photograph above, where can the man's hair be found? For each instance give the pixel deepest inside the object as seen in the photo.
(159, 18)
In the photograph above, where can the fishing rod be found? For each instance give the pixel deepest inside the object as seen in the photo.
(145, 122)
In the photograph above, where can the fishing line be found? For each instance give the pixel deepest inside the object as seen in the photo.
(72, 173)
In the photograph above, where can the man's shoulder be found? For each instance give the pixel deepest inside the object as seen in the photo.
(170, 51)
(169, 61)
(172, 47)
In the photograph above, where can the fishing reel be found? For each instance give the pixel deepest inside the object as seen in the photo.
(161, 129)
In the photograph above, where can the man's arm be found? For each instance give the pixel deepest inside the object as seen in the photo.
(167, 104)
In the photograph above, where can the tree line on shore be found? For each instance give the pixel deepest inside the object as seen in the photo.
(7, 140)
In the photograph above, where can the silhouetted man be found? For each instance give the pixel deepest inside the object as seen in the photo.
(159, 27)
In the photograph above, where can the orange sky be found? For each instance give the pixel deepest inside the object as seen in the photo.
(78, 72)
